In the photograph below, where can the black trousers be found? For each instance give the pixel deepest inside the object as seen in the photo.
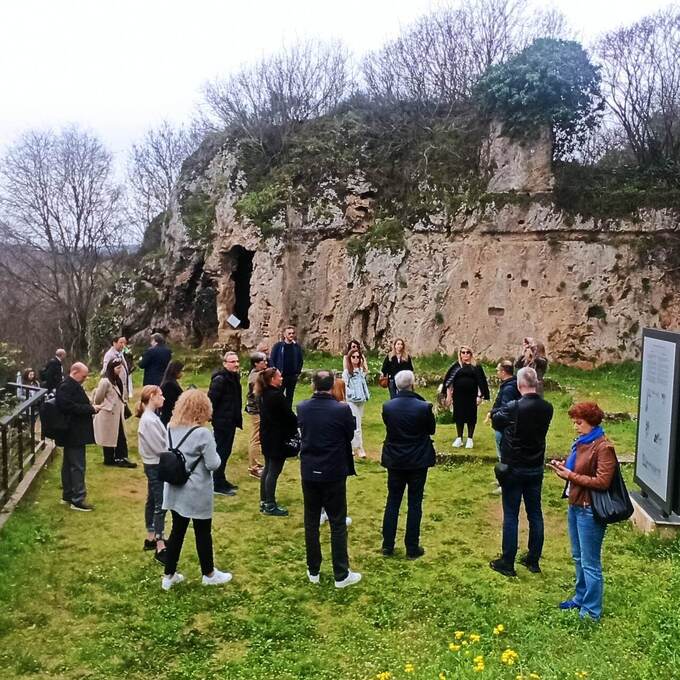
(288, 386)
(397, 482)
(333, 497)
(119, 451)
(73, 474)
(270, 475)
(204, 546)
(224, 441)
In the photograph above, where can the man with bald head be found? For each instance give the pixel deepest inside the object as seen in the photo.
(53, 373)
(72, 401)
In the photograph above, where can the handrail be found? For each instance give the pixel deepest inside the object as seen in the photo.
(24, 405)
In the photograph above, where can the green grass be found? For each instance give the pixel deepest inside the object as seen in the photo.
(79, 598)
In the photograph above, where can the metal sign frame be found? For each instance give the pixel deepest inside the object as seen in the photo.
(665, 504)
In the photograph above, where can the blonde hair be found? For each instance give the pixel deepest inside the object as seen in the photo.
(472, 355)
(192, 408)
(148, 393)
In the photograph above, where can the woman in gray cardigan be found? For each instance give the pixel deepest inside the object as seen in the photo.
(194, 500)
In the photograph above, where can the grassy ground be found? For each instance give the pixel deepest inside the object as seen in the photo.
(79, 598)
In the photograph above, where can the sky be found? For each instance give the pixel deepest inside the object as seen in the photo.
(118, 68)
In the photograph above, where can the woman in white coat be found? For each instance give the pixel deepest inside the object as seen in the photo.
(109, 423)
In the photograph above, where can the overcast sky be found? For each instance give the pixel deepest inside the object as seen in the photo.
(119, 67)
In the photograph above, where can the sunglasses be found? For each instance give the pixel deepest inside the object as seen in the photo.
(465, 351)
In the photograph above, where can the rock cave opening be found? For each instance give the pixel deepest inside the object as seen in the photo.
(242, 270)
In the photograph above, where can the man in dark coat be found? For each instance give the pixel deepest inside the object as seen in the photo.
(72, 401)
(326, 428)
(507, 392)
(226, 398)
(524, 424)
(155, 360)
(288, 357)
(53, 373)
(407, 454)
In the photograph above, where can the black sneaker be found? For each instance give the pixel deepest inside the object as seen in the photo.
(387, 552)
(415, 554)
(502, 568)
(160, 555)
(82, 506)
(231, 486)
(224, 491)
(125, 463)
(274, 510)
(149, 545)
(531, 566)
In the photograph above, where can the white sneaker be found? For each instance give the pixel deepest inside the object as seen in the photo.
(469, 444)
(351, 578)
(497, 491)
(169, 581)
(312, 578)
(324, 518)
(217, 579)
(348, 521)
(458, 442)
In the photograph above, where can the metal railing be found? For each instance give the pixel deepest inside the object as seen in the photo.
(20, 439)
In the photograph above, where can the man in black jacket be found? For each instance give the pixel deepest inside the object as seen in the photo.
(155, 360)
(289, 358)
(524, 424)
(53, 373)
(72, 401)
(327, 428)
(407, 454)
(225, 395)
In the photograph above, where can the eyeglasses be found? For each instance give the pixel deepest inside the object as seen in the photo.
(465, 351)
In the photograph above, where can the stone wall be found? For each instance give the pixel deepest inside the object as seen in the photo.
(485, 277)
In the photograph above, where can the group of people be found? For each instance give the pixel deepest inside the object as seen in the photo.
(325, 432)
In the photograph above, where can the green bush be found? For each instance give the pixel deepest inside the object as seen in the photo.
(103, 325)
(198, 215)
(261, 207)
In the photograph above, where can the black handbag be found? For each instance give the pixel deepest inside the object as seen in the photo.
(291, 447)
(502, 472)
(612, 505)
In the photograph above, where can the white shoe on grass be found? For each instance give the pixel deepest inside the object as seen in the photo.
(469, 444)
(169, 581)
(458, 442)
(348, 521)
(324, 518)
(313, 578)
(351, 578)
(217, 579)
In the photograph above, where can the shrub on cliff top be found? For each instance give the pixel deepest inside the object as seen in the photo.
(551, 82)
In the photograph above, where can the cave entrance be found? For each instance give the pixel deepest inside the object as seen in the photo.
(241, 271)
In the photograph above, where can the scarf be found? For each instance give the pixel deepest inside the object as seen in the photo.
(594, 434)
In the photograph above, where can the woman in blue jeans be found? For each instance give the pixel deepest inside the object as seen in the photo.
(591, 465)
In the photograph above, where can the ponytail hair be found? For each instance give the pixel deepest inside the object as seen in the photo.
(148, 393)
(264, 380)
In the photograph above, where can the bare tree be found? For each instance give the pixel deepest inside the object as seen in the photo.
(438, 60)
(154, 166)
(641, 73)
(299, 83)
(61, 222)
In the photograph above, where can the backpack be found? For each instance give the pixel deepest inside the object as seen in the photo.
(172, 466)
(53, 422)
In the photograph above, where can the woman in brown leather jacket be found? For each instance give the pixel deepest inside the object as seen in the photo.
(591, 465)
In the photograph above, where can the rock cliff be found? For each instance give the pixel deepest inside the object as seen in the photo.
(485, 274)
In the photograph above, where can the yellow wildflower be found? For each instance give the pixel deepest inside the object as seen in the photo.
(464, 642)
(442, 676)
(509, 656)
(479, 659)
(453, 647)
(409, 667)
(534, 676)
(459, 634)
(498, 629)
(385, 675)
(474, 637)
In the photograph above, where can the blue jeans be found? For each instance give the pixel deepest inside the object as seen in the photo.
(154, 515)
(522, 483)
(498, 435)
(586, 537)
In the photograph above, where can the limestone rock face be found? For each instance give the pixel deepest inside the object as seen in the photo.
(524, 167)
(486, 277)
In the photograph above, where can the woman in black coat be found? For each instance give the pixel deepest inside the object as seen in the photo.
(278, 424)
(171, 389)
(465, 386)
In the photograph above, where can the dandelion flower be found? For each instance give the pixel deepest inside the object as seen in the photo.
(459, 634)
(509, 657)
(409, 668)
(385, 675)
(479, 659)
(442, 676)
(498, 629)
(475, 637)
(454, 647)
